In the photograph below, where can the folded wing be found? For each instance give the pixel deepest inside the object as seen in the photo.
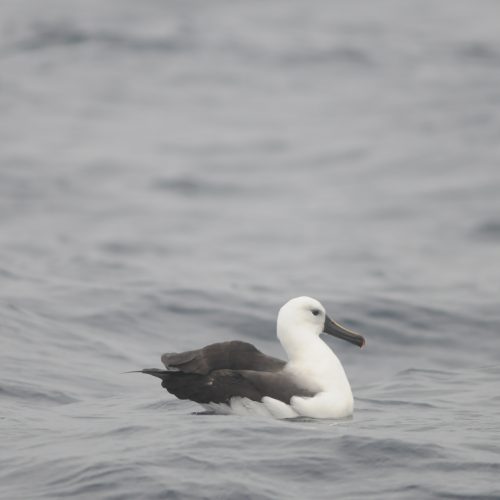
(224, 370)
(221, 385)
(233, 355)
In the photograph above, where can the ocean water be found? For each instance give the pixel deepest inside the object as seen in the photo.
(171, 172)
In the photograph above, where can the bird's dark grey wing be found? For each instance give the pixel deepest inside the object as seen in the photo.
(233, 355)
(277, 385)
(221, 385)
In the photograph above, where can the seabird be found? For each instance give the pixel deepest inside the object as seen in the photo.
(235, 377)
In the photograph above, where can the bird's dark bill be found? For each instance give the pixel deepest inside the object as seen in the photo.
(333, 328)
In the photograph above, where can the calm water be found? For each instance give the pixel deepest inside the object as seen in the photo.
(172, 172)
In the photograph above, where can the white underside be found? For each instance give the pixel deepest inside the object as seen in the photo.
(323, 405)
(269, 407)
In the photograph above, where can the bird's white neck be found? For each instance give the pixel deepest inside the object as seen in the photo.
(301, 346)
(312, 359)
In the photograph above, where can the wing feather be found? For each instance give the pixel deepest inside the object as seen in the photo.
(221, 385)
(233, 355)
(218, 372)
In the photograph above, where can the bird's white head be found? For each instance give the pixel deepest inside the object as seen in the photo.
(303, 314)
(303, 319)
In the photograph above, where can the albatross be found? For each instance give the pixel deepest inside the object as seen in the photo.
(235, 377)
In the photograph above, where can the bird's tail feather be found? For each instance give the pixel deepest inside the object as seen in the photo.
(182, 385)
(156, 372)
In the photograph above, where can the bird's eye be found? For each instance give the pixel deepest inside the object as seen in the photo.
(316, 312)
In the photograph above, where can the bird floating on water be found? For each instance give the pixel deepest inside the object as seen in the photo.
(235, 377)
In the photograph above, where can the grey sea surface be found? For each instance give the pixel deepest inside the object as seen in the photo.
(171, 172)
